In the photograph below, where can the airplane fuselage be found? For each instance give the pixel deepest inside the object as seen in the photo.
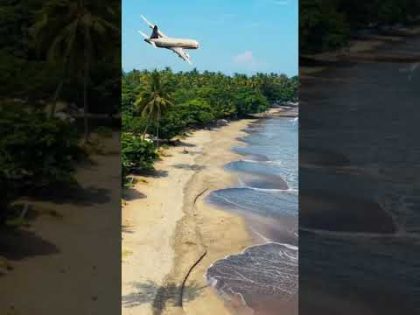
(167, 42)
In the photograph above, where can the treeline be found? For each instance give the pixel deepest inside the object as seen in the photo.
(161, 105)
(329, 24)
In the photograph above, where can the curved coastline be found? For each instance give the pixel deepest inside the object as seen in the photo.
(174, 238)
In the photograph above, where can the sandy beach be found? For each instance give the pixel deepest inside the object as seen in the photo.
(171, 234)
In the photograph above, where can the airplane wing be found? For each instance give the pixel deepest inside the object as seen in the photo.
(181, 54)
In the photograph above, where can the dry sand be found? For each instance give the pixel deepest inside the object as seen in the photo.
(168, 228)
(67, 259)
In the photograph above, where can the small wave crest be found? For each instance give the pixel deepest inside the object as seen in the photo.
(261, 162)
(291, 190)
(269, 270)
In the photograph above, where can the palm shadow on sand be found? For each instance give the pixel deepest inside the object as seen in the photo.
(17, 244)
(184, 144)
(159, 296)
(190, 167)
(133, 194)
(73, 194)
(153, 173)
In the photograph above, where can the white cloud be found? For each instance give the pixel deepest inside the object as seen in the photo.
(247, 61)
(280, 2)
(245, 58)
(275, 2)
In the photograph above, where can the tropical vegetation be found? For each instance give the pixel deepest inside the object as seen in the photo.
(59, 65)
(330, 24)
(160, 105)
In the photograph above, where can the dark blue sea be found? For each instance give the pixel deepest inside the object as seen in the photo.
(359, 187)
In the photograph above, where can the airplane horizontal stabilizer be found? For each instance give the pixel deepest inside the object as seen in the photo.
(143, 34)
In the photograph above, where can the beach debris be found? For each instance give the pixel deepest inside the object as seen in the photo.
(5, 266)
(221, 122)
(181, 293)
(196, 262)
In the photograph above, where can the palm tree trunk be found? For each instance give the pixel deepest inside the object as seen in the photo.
(85, 95)
(59, 86)
(85, 110)
(55, 98)
(147, 127)
(157, 129)
(157, 134)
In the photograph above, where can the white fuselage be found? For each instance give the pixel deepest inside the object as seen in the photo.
(167, 42)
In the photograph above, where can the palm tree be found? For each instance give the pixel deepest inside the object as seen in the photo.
(154, 101)
(70, 33)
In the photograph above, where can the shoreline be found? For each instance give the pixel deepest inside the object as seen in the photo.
(170, 241)
(367, 49)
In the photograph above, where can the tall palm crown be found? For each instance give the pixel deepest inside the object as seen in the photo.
(73, 30)
(71, 33)
(155, 100)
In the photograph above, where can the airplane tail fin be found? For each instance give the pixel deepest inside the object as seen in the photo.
(155, 32)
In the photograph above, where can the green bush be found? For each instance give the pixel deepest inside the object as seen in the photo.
(35, 152)
(329, 24)
(171, 125)
(133, 124)
(196, 113)
(137, 154)
(249, 102)
(323, 26)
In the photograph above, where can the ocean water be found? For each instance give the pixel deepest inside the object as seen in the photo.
(360, 189)
(264, 277)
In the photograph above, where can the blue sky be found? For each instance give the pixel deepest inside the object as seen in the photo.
(244, 36)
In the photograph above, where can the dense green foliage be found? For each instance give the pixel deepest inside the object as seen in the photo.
(41, 46)
(329, 24)
(35, 152)
(53, 50)
(165, 104)
(137, 154)
(199, 99)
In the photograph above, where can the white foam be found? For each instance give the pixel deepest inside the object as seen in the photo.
(276, 162)
(265, 189)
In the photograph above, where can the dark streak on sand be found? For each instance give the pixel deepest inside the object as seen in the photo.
(181, 293)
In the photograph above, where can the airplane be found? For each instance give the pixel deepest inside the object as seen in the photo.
(177, 45)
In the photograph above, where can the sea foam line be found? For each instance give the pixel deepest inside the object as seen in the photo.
(276, 162)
